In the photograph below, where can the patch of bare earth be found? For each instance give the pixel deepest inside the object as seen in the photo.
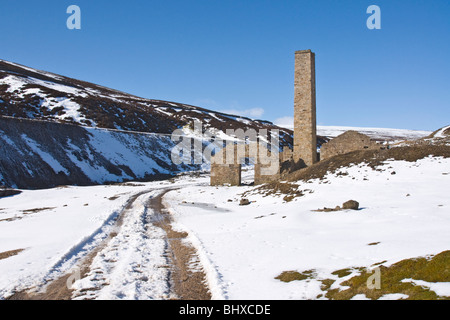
(187, 283)
(35, 210)
(10, 253)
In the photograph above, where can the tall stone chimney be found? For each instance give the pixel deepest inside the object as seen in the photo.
(305, 140)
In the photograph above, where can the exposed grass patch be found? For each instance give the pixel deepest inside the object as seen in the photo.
(326, 284)
(435, 269)
(343, 272)
(288, 276)
(29, 211)
(289, 190)
(428, 269)
(10, 253)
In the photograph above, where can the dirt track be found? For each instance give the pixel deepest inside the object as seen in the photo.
(188, 284)
(185, 282)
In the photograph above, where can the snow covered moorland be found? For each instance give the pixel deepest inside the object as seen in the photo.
(243, 249)
(402, 215)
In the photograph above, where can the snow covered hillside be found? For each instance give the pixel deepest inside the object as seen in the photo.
(34, 94)
(42, 154)
(53, 131)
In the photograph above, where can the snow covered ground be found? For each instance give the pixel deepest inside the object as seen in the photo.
(246, 247)
(58, 227)
(66, 223)
(405, 208)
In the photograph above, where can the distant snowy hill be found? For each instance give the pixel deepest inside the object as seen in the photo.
(379, 134)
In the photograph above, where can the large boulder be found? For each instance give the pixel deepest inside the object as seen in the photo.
(350, 204)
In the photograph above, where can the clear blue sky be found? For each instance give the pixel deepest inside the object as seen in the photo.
(238, 55)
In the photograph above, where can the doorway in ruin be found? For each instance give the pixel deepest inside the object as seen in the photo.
(248, 171)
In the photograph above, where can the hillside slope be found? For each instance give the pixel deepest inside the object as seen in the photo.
(53, 131)
(42, 154)
(34, 94)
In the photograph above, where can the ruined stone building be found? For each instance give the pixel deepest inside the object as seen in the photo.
(271, 166)
(305, 140)
(267, 164)
(347, 142)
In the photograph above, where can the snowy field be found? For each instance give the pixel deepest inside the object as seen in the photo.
(57, 227)
(246, 247)
(405, 208)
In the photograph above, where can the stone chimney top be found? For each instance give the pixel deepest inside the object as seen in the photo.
(303, 51)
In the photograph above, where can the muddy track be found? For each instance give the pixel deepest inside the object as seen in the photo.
(186, 283)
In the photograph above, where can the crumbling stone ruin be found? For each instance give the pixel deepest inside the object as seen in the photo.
(305, 140)
(226, 165)
(304, 153)
(347, 142)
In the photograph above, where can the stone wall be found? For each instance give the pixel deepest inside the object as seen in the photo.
(226, 164)
(286, 155)
(225, 174)
(347, 142)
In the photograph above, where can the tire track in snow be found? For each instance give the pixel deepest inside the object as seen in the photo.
(133, 265)
(76, 263)
(139, 256)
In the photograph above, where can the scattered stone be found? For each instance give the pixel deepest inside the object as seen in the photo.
(351, 204)
(326, 209)
(244, 202)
